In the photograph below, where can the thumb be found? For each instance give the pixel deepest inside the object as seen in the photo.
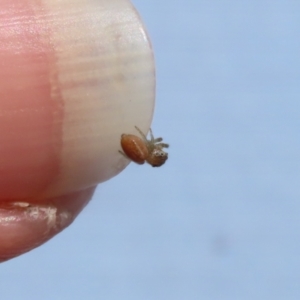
(74, 76)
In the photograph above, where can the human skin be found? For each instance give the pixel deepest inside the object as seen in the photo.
(74, 76)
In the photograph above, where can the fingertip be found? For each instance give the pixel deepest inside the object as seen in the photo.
(69, 90)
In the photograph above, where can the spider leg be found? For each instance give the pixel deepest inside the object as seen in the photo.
(124, 154)
(162, 145)
(141, 133)
(151, 135)
(157, 140)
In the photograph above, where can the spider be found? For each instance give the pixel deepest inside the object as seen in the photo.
(140, 150)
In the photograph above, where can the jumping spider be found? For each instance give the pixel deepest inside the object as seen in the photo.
(140, 150)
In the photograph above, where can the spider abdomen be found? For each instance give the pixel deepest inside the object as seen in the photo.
(134, 148)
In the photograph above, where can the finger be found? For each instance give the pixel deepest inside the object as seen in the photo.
(74, 76)
(27, 225)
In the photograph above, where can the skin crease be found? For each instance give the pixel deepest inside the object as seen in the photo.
(74, 76)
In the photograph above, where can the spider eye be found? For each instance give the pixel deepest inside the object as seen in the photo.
(160, 153)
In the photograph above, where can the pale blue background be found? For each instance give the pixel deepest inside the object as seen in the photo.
(220, 221)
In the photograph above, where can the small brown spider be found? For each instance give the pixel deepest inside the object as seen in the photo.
(140, 150)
